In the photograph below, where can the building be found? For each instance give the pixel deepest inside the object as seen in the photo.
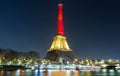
(60, 50)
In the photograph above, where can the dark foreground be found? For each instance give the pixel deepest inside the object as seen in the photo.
(29, 72)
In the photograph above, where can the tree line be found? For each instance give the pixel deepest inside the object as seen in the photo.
(10, 54)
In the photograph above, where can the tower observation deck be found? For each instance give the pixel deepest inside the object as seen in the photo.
(59, 49)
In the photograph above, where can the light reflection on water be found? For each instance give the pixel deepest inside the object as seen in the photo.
(59, 73)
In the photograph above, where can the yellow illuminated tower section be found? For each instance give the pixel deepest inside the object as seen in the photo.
(59, 48)
(59, 43)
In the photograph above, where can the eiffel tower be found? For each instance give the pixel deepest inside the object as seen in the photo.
(59, 49)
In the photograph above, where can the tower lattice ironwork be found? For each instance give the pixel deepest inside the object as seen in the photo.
(59, 49)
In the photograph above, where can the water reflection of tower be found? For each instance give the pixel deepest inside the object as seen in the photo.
(59, 49)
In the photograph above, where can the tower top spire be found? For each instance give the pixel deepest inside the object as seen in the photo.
(60, 26)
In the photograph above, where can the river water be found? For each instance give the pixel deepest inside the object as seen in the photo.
(59, 73)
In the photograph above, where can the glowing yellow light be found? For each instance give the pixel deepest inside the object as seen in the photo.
(59, 43)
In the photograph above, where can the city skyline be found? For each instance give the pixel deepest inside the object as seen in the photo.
(91, 27)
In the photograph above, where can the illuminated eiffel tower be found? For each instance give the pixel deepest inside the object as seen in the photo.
(59, 49)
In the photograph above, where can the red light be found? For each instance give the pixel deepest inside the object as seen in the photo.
(60, 27)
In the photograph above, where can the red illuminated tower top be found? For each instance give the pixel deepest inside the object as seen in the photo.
(60, 26)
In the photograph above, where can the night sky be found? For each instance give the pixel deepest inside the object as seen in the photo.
(92, 27)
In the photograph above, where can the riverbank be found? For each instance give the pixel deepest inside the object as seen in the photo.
(12, 67)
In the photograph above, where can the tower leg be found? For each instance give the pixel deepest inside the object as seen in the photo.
(57, 55)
